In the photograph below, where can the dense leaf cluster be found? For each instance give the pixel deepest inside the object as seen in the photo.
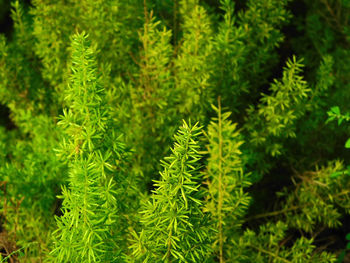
(175, 131)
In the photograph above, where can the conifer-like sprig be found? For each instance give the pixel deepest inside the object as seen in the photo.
(192, 67)
(226, 200)
(277, 112)
(174, 227)
(229, 53)
(86, 229)
(153, 98)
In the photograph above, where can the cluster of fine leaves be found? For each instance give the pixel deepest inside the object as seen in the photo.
(86, 117)
(226, 198)
(91, 213)
(174, 226)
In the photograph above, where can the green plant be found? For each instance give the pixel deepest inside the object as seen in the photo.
(92, 93)
(334, 114)
(92, 212)
(174, 227)
(226, 200)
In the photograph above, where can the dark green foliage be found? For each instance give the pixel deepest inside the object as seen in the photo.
(153, 97)
(92, 93)
(310, 206)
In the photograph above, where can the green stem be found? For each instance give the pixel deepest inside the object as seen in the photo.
(221, 243)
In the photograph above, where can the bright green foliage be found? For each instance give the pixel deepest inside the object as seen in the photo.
(121, 97)
(267, 246)
(27, 199)
(226, 200)
(334, 114)
(54, 22)
(174, 227)
(277, 112)
(192, 68)
(86, 231)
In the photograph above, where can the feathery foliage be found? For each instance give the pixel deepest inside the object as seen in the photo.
(86, 117)
(175, 228)
(86, 230)
(226, 200)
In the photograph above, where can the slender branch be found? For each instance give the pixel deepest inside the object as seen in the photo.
(220, 185)
(274, 213)
(270, 253)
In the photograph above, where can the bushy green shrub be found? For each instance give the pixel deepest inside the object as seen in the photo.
(94, 93)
